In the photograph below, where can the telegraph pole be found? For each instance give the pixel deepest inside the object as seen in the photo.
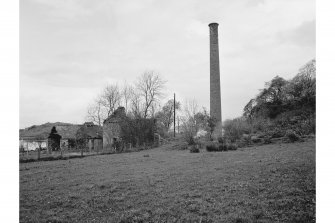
(174, 115)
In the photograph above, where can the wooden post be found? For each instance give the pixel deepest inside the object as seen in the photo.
(82, 151)
(27, 149)
(174, 115)
(38, 153)
(178, 124)
(89, 146)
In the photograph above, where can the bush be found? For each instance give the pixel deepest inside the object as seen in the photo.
(277, 133)
(216, 147)
(234, 129)
(307, 126)
(292, 136)
(267, 140)
(212, 147)
(260, 124)
(220, 148)
(232, 146)
(184, 147)
(117, 146)
(194, 149)
(136, 131)
(221, 140)
(256, 139)
(190, 140)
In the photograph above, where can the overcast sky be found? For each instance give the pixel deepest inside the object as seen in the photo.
(70, 49)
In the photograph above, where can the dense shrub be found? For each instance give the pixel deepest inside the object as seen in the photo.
(190, 140)
(194, 149)
(118, 145)
(292, 136)
(235, 128)
(276, 133)
(199, 143)
(307, 126)
(224, 147)
(137, 131)
(267, 140)
(212, 147)
(256, 139)
(219, 147)
(221, 140)
(260, 124)
(232, 146)
(183, 147)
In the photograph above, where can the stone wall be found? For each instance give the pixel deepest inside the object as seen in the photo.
(111, 132)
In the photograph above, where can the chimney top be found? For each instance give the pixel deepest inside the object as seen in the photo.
(213, 24)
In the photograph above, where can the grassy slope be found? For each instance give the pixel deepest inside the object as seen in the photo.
(273, 183)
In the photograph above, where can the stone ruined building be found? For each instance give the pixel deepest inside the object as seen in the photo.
(215, 91)
(112, 128)
(90, 136)
(120, 130)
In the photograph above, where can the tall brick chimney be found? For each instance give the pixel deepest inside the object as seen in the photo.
(215, 92)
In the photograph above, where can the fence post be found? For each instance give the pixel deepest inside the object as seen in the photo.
(38, 153)
(82, 151)
(89, 146)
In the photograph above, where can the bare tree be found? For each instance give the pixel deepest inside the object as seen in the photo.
(135, 103)
(110, 98)
(104, 105)
(165, 115)
(126, 94)
(140, 101)
(150, 87)
(190, 125)
(191, 108)
(96, 113)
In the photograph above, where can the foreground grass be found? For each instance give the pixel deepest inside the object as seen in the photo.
(272, 183)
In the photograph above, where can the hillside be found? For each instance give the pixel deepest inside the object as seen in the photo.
(66, 130)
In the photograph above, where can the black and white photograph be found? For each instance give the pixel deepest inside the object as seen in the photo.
(166, 111)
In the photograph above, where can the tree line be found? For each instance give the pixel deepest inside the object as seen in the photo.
(282, 107)
(280, 95)
(141, 100)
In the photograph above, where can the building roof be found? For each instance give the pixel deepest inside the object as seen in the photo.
(40, 132)
(117, 114)
(87, 130)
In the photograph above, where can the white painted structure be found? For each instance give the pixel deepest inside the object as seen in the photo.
(29, 145)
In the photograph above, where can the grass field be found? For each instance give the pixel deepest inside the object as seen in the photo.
(272, 183)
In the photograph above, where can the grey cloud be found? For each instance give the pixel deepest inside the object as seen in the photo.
(303, 35)
(253, 3)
